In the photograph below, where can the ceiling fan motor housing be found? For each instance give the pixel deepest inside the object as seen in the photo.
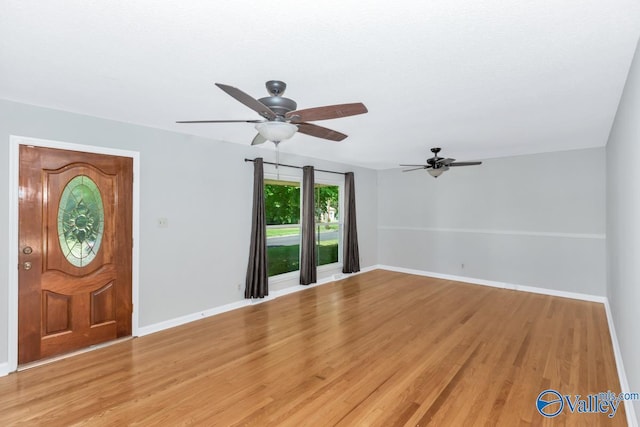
(279, 104)
(276, 102)
(433, 161)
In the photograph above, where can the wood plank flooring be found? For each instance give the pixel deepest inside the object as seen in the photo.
(377, 349)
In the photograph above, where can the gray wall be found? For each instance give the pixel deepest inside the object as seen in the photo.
(202, 187)
(536, 220)
(623, 225)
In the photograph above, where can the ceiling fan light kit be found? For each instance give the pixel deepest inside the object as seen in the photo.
(436, 172)
(280, 117)
(276, 131)
(437, 165)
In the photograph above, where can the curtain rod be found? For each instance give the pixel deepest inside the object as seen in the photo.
(292, 166)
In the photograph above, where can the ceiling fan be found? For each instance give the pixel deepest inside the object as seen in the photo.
(280, 119)
(437, 165)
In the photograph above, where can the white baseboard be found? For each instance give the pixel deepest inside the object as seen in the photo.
(298, 288)
(495, 284)
(632, 421)
(172, 323)
(333, 278)
(4, 369)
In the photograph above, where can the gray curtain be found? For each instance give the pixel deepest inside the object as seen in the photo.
(308, 245)
(257, 283)
(350, 254)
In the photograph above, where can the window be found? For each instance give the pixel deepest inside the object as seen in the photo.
(282, 209)
(328, 226)
(283, 212)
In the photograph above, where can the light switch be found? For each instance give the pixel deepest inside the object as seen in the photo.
(163, 223)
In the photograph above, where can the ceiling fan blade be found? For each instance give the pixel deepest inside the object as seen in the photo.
(248, 100)
(220, 121)
(258, 139)
(446, 161)
(416, 166)
(415, 169)
(326, 113)
(320, 132)
(465, 163)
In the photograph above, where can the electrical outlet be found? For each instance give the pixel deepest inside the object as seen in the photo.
(163, 223)
(462, 266)
(239, 286)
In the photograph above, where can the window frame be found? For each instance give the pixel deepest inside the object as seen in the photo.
(340, 185)
(319, 178)
(287, 178)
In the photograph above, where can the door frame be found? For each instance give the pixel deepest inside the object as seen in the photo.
(14, 171)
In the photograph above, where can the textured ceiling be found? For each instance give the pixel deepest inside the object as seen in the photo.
(480, 78)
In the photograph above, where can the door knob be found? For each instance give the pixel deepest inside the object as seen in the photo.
(27, 250)
(26, 265)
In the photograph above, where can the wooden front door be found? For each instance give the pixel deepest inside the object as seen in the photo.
(75, 237)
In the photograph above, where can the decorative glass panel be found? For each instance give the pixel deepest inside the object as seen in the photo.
(80, 221)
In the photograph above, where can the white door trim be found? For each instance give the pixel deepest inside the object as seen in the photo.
(14, 170)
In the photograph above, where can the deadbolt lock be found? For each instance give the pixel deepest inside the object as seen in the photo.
(27, 250)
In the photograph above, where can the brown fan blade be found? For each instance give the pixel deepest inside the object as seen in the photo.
(320, 132)
(325, 113)
(220, 121)
(248, 100)
(446, 161)
(464, 163)
(258, 139)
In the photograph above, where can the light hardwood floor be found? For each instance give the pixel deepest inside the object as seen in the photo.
(380, 348)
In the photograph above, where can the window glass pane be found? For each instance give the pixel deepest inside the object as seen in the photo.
(80, 221)
(328, 227)
(282, 209)
(282, 202)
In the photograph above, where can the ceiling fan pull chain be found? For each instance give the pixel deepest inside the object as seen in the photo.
(277, 160)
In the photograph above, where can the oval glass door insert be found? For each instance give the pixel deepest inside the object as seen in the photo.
(80, 220)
